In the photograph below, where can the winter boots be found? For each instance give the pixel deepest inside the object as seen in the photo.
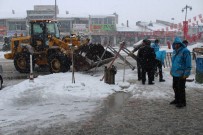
(161, 80)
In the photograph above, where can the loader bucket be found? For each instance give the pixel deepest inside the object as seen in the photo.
(8, 56)
(102, 62)
(85, 64)
(90, 56)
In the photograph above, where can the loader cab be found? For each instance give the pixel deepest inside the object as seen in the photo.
(40, 30)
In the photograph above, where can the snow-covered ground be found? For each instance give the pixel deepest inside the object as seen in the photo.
(52, 99)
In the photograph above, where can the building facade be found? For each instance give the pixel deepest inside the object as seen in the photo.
(102, 29)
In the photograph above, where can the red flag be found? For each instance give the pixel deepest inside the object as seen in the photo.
(200, 16)
(185, 28)
(194, 18)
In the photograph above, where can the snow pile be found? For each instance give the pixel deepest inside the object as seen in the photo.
(2, 54)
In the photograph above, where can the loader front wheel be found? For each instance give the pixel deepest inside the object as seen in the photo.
(58, 63)
(22, 62)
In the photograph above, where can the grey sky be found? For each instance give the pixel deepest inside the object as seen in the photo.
(132, 10)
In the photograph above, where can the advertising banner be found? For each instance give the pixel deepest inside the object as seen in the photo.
(3, 30)
(80, 28)
(13, 32)
(102, 27)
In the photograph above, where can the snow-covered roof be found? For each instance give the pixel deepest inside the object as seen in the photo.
(102, 16)
(12, 16)
(154, 26)
(73, 15)
(130, 29)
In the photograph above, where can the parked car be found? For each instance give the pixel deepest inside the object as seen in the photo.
(1, 77)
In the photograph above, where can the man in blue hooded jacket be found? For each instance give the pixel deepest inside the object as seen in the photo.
(156, 48)
(180, 70)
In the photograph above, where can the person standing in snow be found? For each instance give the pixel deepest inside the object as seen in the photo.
(156, 47)
(139, 68)
(185, 42)
(146, 58)
(180, 70)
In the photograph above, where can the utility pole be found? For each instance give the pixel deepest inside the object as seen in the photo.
(55, 10)
(185, 23)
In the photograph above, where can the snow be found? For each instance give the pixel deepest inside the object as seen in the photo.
(52, 99)
(120, 28)
(51, 96)
(2, 54)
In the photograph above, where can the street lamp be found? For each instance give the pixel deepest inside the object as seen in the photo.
(185, 8)
(185, 23)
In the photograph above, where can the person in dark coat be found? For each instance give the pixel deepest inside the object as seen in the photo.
(147, 56)
(185, 42)
(180, 70)
(139, 68)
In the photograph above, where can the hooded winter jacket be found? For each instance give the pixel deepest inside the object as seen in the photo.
(155, 47)
(181, 60)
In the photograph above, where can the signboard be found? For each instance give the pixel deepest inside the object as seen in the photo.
(13, 32)
(80, 28)
(2, 28)
(102, 27)
(2, 33)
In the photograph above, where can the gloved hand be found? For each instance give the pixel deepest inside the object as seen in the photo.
(184, 77)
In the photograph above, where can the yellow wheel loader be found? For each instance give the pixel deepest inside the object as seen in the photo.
(47, 49)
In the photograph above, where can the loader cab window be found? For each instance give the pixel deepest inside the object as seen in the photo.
(37, 29)
(52, 29)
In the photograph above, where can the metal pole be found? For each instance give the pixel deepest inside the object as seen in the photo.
(186, 12)
(55, 9)
(186, 7)
(73, 71)
(31, 69)
(124, 70)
